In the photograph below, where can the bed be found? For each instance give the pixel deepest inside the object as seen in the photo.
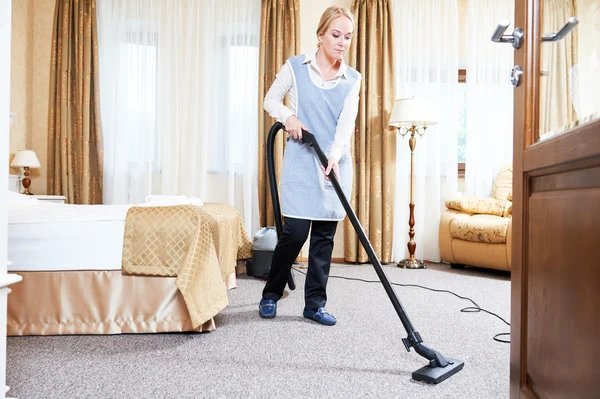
(72, 259)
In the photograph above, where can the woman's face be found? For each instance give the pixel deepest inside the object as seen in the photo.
(336, 39)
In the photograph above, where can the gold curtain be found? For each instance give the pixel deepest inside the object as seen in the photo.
(74, 136)
(374, 145)
(280, 40)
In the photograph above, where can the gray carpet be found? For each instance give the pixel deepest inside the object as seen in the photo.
(290, 357)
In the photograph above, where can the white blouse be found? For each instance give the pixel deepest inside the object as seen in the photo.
(284, 83)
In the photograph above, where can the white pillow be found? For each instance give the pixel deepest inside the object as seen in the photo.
(21, 199)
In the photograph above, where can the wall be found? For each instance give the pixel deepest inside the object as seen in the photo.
(21, 73)
(43, 22)
(30, 68)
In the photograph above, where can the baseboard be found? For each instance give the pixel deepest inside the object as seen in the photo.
(333, 260)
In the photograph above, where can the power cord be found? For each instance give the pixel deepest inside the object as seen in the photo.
(469, 309)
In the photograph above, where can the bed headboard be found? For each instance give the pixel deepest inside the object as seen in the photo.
(14, 183)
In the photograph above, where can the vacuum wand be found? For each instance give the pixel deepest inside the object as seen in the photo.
(310, 139)
(439, 367)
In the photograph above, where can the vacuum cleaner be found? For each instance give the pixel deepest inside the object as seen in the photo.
(263, 248)
(264, 241)
(439, 367)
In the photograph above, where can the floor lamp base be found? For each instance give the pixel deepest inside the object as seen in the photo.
(412, 264)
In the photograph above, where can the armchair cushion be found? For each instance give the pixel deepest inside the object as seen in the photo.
(480, 228)
(478, 205)
(502, 186)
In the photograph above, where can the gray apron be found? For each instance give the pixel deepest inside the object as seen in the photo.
(305, 194)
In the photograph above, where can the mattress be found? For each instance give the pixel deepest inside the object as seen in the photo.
(45, 236)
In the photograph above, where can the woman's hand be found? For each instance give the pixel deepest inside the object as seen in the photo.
(294, 127)
(331, 165)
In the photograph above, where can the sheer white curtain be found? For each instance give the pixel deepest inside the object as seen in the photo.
(127, 36)
(489, 114)
(178, 99)
(427, 66)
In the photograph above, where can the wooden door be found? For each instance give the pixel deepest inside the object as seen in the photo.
(555, 330)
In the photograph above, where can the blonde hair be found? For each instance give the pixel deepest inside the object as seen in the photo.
(329, 16)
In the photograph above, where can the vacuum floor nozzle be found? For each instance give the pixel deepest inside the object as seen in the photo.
(435, 375)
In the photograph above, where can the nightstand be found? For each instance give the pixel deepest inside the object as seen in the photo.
(59, 199)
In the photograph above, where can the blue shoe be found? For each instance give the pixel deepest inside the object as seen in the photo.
(320, 316)
(267, 308)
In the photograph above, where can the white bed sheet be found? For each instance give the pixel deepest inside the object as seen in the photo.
(53, 237)
(48, 212)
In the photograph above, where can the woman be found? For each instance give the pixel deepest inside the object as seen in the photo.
(324, 94)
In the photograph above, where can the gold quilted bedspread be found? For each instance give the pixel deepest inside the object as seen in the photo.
(200, 245)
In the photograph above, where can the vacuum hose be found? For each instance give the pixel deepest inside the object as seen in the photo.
(274, 191)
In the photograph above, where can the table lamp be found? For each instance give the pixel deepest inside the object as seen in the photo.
(26, 159)
(412, 115)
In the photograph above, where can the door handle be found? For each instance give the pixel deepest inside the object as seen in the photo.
(499, 37)
(554, 37)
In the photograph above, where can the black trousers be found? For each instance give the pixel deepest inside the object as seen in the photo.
(295, 232)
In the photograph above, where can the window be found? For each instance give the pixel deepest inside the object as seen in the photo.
(462, 122)
(235, 103)
(140, 72)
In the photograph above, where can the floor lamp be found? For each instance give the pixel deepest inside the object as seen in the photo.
(412, 115)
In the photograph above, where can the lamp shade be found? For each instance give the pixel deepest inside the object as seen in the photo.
(413, 112)
(26, 158)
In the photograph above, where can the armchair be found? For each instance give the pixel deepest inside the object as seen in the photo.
(476, 231)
